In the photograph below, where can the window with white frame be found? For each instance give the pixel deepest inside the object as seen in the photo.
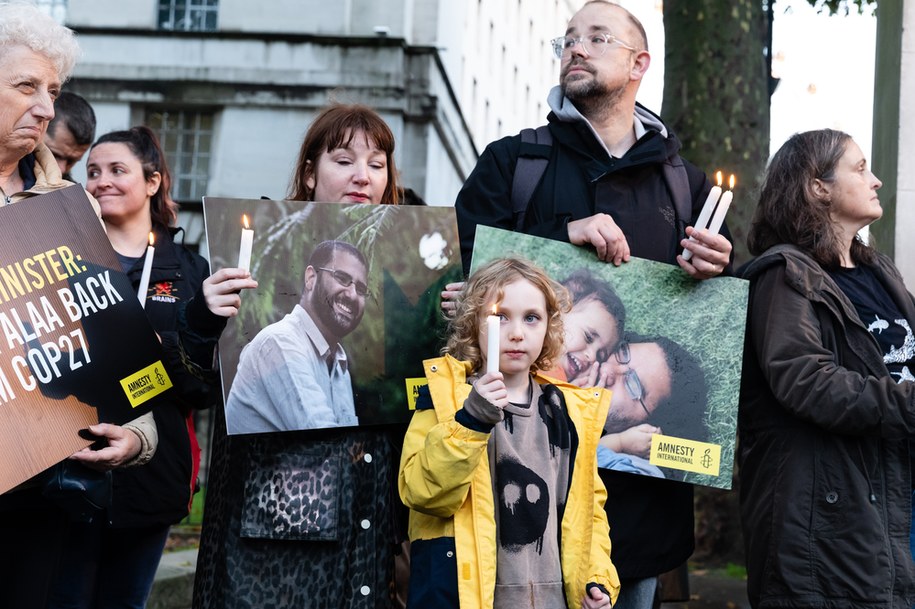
(188, 15)
(187, 140)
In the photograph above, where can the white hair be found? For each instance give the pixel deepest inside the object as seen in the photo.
(24, 24)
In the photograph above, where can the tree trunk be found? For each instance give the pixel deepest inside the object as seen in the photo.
(716, 94)
(716, 99)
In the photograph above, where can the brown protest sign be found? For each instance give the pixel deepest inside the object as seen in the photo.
(75, 345)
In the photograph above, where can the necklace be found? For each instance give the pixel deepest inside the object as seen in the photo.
(8, 198)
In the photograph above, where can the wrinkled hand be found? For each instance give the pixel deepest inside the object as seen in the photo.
(123, 445)
(711, 254)
(595, 599)
(221, 290)
(491, 388)
(637, 440)
(602, 232)
(450, 296)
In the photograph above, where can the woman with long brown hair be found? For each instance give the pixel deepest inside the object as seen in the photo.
(827, 405)
(345, 557)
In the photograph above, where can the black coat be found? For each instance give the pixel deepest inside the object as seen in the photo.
(825, 481)
(651, 520)
(160, 492)
(581, 180)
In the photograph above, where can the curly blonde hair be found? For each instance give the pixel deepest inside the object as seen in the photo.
(486, 287)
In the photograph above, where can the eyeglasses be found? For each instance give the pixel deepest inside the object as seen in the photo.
(345, 280)
(631, 379)
(595, 45)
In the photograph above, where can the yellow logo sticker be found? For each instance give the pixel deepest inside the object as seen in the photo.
(686, 455)
(146, 384)
(413, 386)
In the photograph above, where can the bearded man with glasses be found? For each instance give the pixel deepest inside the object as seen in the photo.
(295, 374)
(606, 173)
(657, 385)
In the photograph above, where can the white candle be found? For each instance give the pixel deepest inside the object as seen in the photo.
(706, 213)
(247, 242)
(718, 218)
(492, 342)
(147, 269)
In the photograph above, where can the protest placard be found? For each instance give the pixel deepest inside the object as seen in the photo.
(75, 345)
(669, 347)
(330, 342)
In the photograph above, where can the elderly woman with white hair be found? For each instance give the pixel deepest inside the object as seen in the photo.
(36, 56)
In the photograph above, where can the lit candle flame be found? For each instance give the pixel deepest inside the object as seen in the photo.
(732, 181)
(719, 176)
(152, 238)
(244, 220)
(495, 310)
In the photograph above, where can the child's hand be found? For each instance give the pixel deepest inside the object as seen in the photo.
(637, 440)
(491, 388)
(589, 377)
(595, 599)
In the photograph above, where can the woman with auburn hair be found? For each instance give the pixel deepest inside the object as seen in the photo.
(339, 129)
(334, 547)
(827, 406)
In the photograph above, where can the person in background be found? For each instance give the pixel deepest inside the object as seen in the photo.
(111, 562)
(614, 181)
(826, 412)
(70, 132)
(36, 56)
(499, 468)
(335, 545)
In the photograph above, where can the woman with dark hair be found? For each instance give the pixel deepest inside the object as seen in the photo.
(334, 546)
(824, 418)
(111, 561)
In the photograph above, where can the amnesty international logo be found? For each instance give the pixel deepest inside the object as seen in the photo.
(686, 455)
(146, 383)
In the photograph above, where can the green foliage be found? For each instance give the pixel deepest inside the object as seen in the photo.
(736, 571)
(845, 7)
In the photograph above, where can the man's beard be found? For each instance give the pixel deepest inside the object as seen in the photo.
(591, 96)
(337, 321)
(617, 424)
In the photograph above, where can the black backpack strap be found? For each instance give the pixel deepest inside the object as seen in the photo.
(678, 185)
(529, 169)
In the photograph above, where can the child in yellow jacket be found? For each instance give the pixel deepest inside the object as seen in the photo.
(499, 467)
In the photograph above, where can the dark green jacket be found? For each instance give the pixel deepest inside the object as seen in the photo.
(825, 487)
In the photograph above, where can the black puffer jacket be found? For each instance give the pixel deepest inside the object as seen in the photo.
(160, 492)
(582, 179)
(824, 459)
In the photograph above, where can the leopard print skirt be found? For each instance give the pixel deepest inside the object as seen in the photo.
(300, 519)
